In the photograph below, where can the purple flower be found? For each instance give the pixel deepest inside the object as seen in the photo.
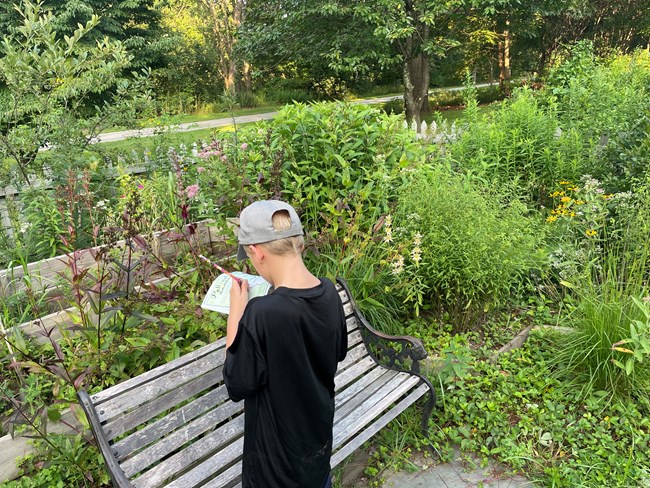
(192, 191)
(140, 186)
(244, 146)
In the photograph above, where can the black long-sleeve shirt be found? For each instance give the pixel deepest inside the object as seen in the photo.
(282, 363)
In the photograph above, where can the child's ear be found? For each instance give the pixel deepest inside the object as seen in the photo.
(256, 251)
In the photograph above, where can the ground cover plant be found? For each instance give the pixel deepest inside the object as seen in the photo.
(462, 241)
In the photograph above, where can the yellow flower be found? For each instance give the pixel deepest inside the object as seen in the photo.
(572, 214)
(565, 182)
(573, 188)
(552, 218)
(579, 202)
(608, 196)
(591, 233)
(565, 199)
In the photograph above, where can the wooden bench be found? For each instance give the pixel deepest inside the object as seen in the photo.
(175, 426)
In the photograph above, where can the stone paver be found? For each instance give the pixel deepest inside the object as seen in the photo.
(453, 475)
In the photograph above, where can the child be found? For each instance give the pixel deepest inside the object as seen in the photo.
(282, 354)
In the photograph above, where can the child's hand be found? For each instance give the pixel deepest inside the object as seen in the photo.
(238, 298)
(238, 301)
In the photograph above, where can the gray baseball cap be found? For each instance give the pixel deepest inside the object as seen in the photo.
(256, 224)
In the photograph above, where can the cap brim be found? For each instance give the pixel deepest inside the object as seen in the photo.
(241, 253)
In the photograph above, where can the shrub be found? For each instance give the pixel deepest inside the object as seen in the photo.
(330, 160)
(608, 103)
(473, 251)
(520, 143)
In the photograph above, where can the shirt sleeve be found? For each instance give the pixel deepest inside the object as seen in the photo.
(343, 347)
(244, 371)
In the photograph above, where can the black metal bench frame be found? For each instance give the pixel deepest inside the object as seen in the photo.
(174, 426)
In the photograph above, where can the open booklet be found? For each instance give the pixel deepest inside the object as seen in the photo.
(218, 296)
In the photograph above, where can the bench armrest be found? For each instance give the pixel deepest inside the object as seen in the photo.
(399, 353)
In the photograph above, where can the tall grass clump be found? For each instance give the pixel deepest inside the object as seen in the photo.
(457, 249)
(607, 303)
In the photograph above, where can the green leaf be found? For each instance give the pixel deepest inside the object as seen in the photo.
(629, 366)
(53, 414)
(138, 341)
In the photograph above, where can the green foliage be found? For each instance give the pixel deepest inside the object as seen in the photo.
(585, 225)
(515, 410)
(43, 225)
(339, 158)
(330, 160)
(584, 91)
(49, 85)
(136, 23)
(474, 248)
(606, 314)
(71, 462)
(637, 346)
(520, 144)
(357, 259)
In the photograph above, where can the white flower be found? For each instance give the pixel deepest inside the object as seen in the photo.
(388, 229)
(416, 252)
(398, 265)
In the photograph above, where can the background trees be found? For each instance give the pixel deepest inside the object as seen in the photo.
(325, 48)
(49, 83)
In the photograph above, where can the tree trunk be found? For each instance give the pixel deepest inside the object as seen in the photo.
(229, 78)
(504, 60)
(416, 88)
(247, 78)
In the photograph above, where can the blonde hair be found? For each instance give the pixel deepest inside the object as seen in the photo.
(281, 220)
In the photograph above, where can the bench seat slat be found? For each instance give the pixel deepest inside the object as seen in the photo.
(371, 382)
(228, 476)
(372, 407)
(210, 466)
(373, 392)
(161, 427)
(354, 338)
(351, 323)
(352, 373)
(376, 426)
(222, 447)
(189, 432)
(130, 384)
(355, 354)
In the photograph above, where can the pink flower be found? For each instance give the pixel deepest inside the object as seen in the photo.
(140, 186)
(244, 146)
(224, 158)
(200, 169)
(192, 191)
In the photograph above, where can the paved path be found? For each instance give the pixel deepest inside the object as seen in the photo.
(455, 475)
(241, 119)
